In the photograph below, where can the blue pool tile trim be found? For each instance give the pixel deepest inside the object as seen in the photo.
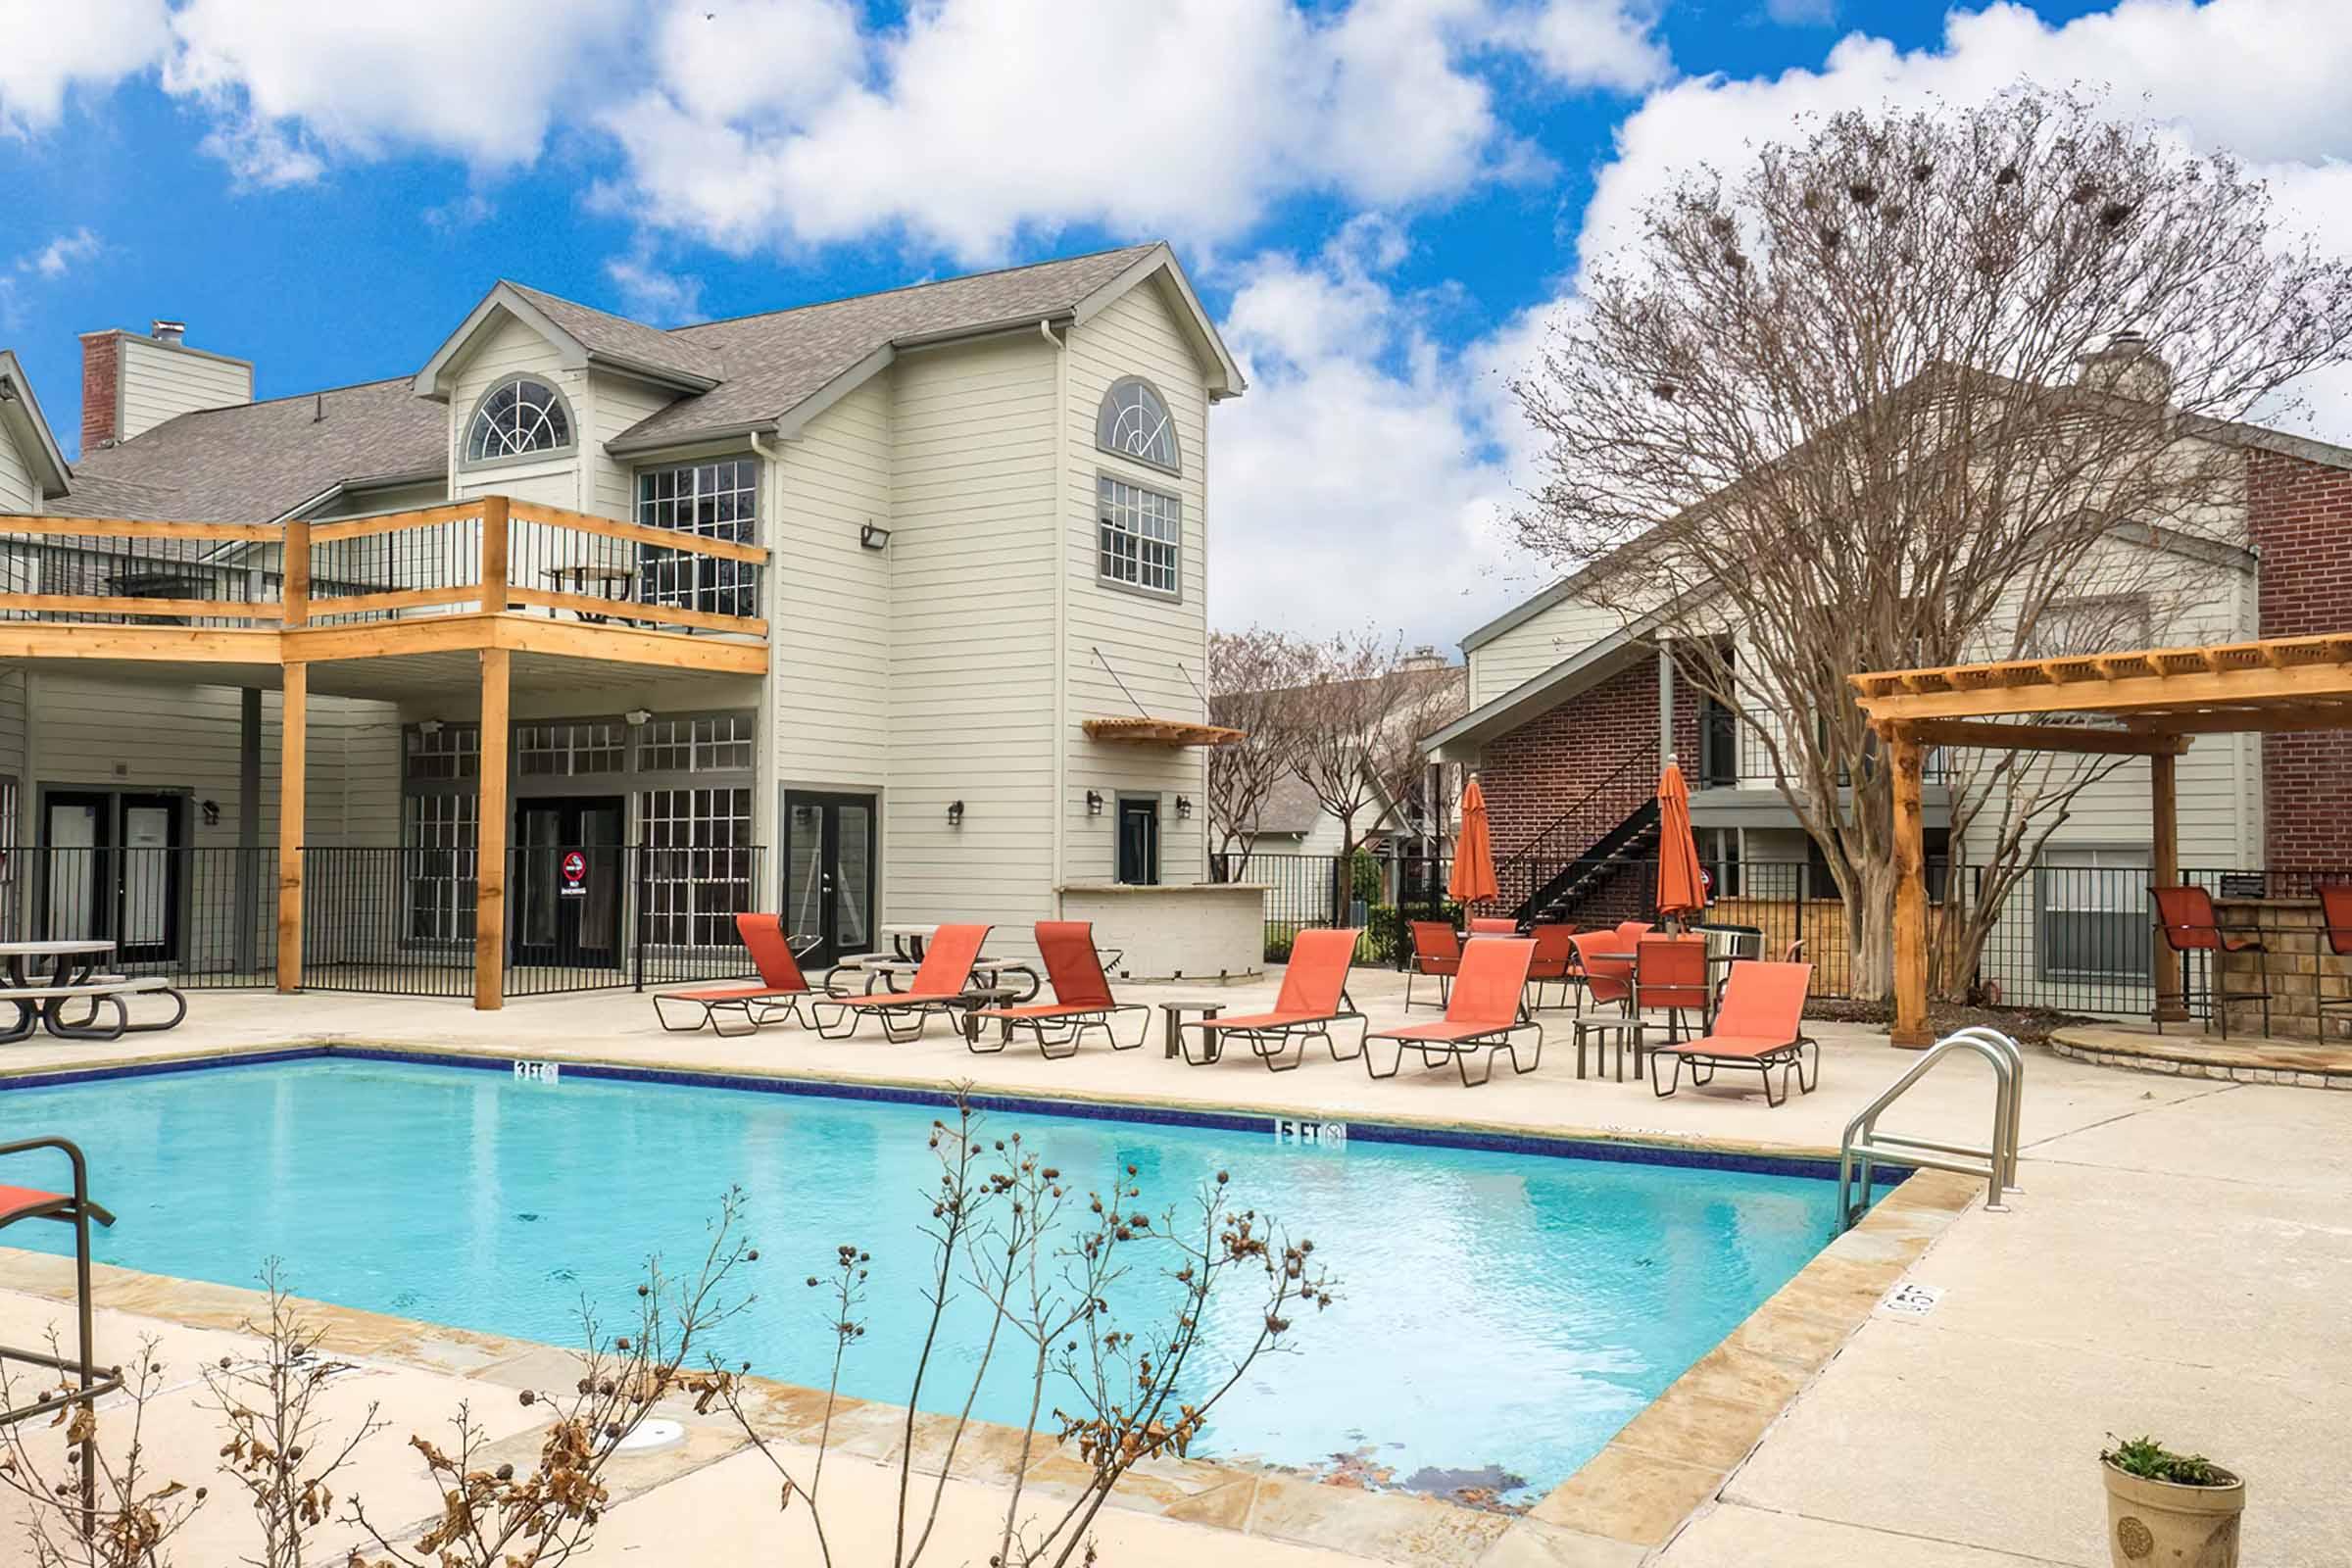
(1547, 1146)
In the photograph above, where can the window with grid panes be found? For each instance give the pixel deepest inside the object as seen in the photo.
(716, 501)
(439, 835)
(700, 864)
(1141, 532)
(572, 749)
(715, 743)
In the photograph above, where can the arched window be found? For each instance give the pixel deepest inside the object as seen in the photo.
(517, 418)
(1135, 423)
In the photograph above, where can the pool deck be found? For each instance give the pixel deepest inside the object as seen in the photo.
(2175, 1264)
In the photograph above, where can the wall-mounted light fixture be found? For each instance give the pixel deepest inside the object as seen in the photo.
(954, 813)
(1094, 803)
(638, 717)
(1184, 807)
(873, 538)
(211, 814)
(432, 727)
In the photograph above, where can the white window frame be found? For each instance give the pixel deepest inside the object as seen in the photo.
(1139, 547)
(563, 404)
(1112, 413)
(682, 578)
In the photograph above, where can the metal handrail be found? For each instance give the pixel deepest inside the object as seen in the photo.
(1863, 1145)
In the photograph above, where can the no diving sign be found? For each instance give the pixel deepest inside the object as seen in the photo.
(573, 874)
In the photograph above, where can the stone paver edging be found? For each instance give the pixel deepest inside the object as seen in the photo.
(1667, 1462)
(2292, 1063)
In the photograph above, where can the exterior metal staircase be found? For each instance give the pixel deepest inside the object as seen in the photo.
(1583, 852)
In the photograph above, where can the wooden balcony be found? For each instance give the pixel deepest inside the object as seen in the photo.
(487, 573)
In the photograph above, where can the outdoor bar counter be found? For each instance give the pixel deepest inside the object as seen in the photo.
(1197, 931)
(2296, 969)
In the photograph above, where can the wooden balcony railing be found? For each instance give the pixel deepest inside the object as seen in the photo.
(487, 554)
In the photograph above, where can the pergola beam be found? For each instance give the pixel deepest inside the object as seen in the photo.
(1989, 737)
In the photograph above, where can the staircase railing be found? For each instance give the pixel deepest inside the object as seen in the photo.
(1571, 836)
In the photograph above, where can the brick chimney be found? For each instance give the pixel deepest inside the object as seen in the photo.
(101, 374)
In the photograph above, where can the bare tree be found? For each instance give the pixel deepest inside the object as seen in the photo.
(118, 1512)
(279, 1447)
(1252, 678)
(1903, 394)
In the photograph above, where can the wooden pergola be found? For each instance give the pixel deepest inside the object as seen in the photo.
(2146, 703)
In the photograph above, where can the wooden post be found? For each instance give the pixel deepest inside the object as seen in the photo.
(494, 553)
(295, 596)
(2164, 871)
(293, 746)
(1910, 1031)
(490, 873)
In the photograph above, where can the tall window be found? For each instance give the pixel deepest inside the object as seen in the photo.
(699, 865)
(1140, 533)
(1134, 423)
(440, 826)
(2093, 909)
(716, 501)
(517, 418)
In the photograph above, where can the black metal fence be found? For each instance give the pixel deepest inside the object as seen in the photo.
(207, 917)
(2069, 937)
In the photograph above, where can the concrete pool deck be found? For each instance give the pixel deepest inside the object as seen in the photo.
(2174, 1264)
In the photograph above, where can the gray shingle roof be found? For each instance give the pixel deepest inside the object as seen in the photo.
(257, 460)
(778, 360)
(617, 337)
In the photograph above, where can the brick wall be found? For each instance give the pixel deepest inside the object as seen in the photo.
(2299, 516)
(1542, 768)
(101, 353)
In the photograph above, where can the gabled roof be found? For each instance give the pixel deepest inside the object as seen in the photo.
(786, 366)
(582, 337)
(21, 420)
(257, 462)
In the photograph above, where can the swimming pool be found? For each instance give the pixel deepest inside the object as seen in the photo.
(1501, 1313)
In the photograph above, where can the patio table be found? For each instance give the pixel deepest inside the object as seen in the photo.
(71, 960)
(596, 583)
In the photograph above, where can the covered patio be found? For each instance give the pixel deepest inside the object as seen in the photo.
(2150, 703)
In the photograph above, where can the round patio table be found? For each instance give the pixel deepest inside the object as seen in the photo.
(72, 962)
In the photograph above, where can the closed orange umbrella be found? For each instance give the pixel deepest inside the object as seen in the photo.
(1681, 888)
(1473, 878)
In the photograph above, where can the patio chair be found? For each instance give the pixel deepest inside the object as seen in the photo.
(1631, 932)
(1438, 950)
(1313, 998)
(1487, 1012)
(1760, 1026)
(1490, 926)
(2185, 920)
(779, 993)
(1607, 979)
(942, 985)
(88, 1381)
(1082, 999)
(2336, 915)
(1554, 963)
(1671, 976)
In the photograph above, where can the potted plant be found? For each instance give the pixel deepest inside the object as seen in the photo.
(2168, 1510)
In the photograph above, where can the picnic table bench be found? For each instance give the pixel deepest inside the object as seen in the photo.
(42, 1001)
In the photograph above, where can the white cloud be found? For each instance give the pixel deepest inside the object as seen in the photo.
(60, 255)
(296, 84)
(50, 47)
(1363, 477)
(978, 122)
(1801, 12)
(653, 293)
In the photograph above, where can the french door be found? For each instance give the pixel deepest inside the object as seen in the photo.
(110, 869)
(828, 875)
(567, 871)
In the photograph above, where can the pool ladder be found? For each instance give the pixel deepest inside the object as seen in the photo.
(1995, 1163)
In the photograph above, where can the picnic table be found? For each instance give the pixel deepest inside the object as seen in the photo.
(73, 968)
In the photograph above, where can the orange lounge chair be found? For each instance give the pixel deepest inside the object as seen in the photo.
(1489, 926)
(1554, 963)
(1082, 999)
(779, 993)
(1760, 1025)
(943, 985)
(1313, 998)
(1438, 950)
(1484, 1014)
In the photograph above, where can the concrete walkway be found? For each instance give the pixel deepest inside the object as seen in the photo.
(2175, 1265)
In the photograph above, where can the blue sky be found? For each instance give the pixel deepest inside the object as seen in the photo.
(1380, 200)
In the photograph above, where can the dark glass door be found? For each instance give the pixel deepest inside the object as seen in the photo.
(828, 875)
(566, 880)
(111, 870)
(1139, 840)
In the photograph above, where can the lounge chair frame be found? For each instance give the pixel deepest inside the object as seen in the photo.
(760, 1004)
(1060, 1038)
(1271, 1042)
(901, 1013)
(1790, 1059)
(1058, 1028)
(1435, 1052)
(90, 1381)
(1495, 973)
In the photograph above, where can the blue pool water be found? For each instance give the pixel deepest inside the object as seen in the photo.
(1500, 1316)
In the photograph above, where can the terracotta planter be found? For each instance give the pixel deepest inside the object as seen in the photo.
(2158, 1524)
